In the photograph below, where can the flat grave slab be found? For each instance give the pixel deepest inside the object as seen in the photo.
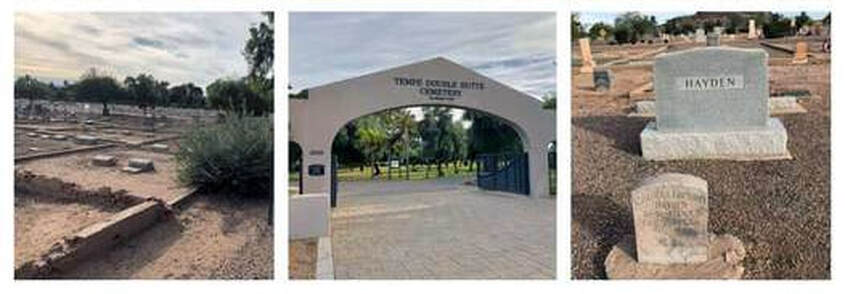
(76, 168)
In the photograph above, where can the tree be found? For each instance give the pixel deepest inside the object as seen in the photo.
(550, 100)
(577, 30)
(633, 27)
(94, 86)
(186, 96)
(597, 28)
(144, 90)
(258, 52)
(802, 19)
(236, 97)
(442, 138)
(30, 88)
(372, 140)
(488, 134)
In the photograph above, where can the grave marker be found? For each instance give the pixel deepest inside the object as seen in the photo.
(801, 55)
(587, 63)
(712, 103)
(671, 239)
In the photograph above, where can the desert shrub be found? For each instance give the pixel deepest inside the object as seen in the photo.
(234, 157)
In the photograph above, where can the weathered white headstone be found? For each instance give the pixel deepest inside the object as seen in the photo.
(752, 30)
(712, 103)
(670, 219)
(671, 239)
(699, 36)
(86, 139)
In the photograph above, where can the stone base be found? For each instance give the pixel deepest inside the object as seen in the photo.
(763, 144)
(725, 262)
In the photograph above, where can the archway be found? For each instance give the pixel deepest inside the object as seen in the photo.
(326, 109)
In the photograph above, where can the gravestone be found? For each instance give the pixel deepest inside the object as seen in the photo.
(712, 103)
(752, 30)
(602, 79)
(699, 36)
(800, 53)
(86, 139)
(587, 63)
(160, 147)
(670, 239)
(670, 219)
(139, 165)
(713, 40)
(59, 137)
(104, 160)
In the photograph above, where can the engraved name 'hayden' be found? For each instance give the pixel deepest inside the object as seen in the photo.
(710, 83)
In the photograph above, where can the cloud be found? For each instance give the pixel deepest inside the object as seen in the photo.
(517, 49)
(176, 47)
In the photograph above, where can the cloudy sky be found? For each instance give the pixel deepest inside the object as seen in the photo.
(517, 49)
(589, 18)
(176, 47)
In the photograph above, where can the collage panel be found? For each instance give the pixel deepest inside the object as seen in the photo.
(425, 151)
(701, 145)
(143, 145)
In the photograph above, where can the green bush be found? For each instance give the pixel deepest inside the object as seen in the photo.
(234, 157)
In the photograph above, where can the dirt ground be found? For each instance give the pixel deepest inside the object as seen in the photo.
(41, 221)
(77, 168)
(302, 259)
(23, 143)
(779, 209)
(211, 238)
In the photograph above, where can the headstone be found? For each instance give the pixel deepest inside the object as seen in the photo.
(602, 79)
(104, 160)
(752, 30)
(86, 139)
(139, 165)
(699, 36)
(31, 134)
(670, 219)
(160, 147)
(59, 137)
(712, 103)
(713, 40)
(587, 63)
(671, 240)
(45, 136)
(718, 30)
(800, 53)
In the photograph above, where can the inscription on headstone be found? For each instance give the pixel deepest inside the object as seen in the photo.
(670, 219)
(711, 89)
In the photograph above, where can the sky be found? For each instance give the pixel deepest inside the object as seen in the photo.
(176, 47)
(517, 49)
(590, 18)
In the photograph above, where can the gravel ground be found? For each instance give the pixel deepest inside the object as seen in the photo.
(779, 209)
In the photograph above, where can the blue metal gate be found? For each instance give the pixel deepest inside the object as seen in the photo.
(333, 192)
(506, 172)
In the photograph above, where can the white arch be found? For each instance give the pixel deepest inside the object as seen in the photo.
(438, 81)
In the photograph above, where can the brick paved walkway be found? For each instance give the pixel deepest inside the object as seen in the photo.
(439, 230)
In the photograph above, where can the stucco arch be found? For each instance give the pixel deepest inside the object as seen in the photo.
(434, 82)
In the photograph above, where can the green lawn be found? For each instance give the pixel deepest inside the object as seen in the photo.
(418, 172)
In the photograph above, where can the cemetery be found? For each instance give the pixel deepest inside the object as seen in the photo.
(133, 177)
(702, 155)
(99, 198)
